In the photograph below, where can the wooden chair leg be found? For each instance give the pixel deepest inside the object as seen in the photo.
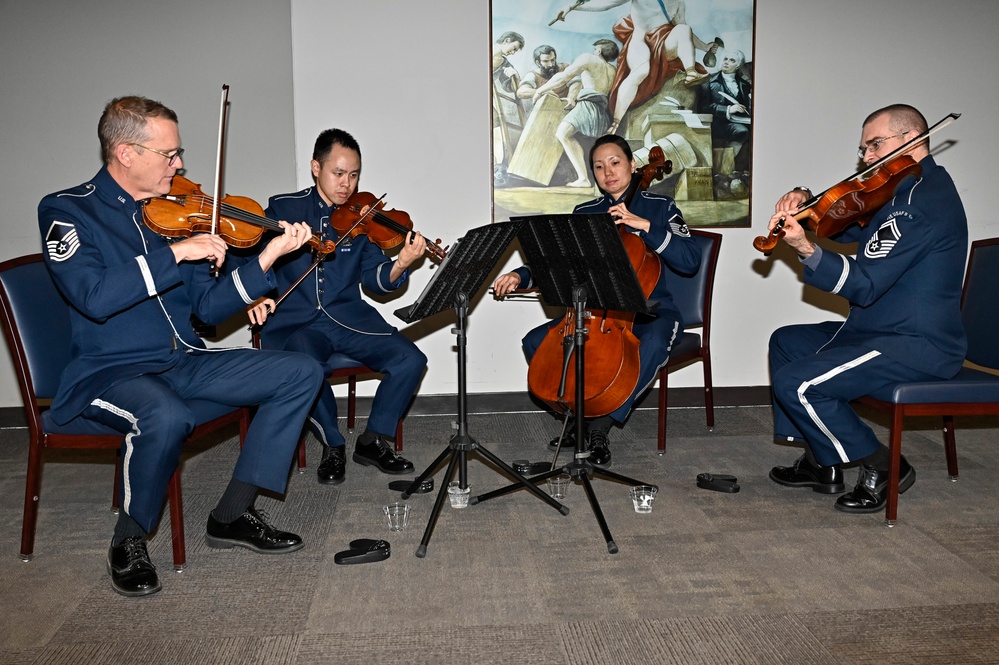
(663, 390)
(301, 453)
(177, 522)
(32, 488)
(115, 493)
(895, 455)
(351, 402)
(709, 400)
(950, 446)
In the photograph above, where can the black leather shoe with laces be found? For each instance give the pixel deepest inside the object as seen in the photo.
(871, 492)
(600, 454)
(132, 573)
(380, 454)
(251, 530)
(568, 439)
(822, 479)
(333, 468)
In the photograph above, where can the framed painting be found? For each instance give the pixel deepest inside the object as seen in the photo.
(667, 73)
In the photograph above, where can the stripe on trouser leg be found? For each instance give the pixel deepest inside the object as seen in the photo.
(121, 413)
(834, 372)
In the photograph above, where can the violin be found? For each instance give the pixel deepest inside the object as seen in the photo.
(612, 362)
(187, 210)
(354, 218)
(856, 199)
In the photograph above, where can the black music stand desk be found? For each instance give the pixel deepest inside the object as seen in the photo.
(579, 261)
(459, 277)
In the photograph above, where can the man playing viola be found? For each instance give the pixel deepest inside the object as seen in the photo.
(904, 289)
(325, 314)
(139, 369)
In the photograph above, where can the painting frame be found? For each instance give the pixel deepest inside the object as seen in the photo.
(564, 73)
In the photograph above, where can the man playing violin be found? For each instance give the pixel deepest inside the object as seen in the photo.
(658, 222)
(325, 314)
(139, 369)
(904, 289)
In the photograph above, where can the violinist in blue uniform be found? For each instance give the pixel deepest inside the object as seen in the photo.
(904, 289)
(139, 369)
(658, 222)
(325, 313)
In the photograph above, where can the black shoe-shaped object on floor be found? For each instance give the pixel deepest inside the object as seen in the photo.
(600, 454)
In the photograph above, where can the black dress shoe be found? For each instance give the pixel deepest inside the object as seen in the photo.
(379, 454)
(822, 479)
(871, 493)
(132, 573)
(333, 468)
(251, 530)
(600, 454)
(568, 439)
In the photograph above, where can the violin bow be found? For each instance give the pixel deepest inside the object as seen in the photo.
(218, 169)
(946, 120)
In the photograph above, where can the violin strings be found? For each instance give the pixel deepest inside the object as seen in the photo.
(240, 214)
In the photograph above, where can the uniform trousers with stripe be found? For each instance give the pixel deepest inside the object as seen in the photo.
(813, 386)
(151, 412)
(393, 355)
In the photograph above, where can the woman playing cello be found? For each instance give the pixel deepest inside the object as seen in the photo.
(657, 221)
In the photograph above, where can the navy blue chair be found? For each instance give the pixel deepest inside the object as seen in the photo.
(972, 392)
(35, 320)
(692, 295)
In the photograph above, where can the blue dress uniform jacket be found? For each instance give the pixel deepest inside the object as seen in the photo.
(139, 368)
(110, 267)
(335, 284)
(669, 238)
(904, 289)
(325, 315)
(904, 286)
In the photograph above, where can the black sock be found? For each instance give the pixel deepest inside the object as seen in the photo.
(236, 500)
(126, 527)
(369, 436)
(879, 459)
(601, 424)
(810, 456)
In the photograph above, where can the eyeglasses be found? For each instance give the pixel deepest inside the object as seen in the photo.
(875, 145)
(172, 157)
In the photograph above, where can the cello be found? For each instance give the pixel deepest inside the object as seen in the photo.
(612, 361)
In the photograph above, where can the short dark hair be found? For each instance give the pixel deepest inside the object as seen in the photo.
(616, 140)
(511, 36)
(331, 137)
(544, 49)
(608, 49)
(124, 121)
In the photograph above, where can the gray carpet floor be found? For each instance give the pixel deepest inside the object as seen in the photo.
(767, 575)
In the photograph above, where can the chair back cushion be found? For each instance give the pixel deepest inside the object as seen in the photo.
(36, 322)
(692, 293)
(980, 301)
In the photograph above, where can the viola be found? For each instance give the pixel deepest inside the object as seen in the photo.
(389, 229)
(187, 210)
(856, 199)
(612, 362)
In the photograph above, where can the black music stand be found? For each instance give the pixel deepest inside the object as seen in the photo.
(460, 276)
(579, 261)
